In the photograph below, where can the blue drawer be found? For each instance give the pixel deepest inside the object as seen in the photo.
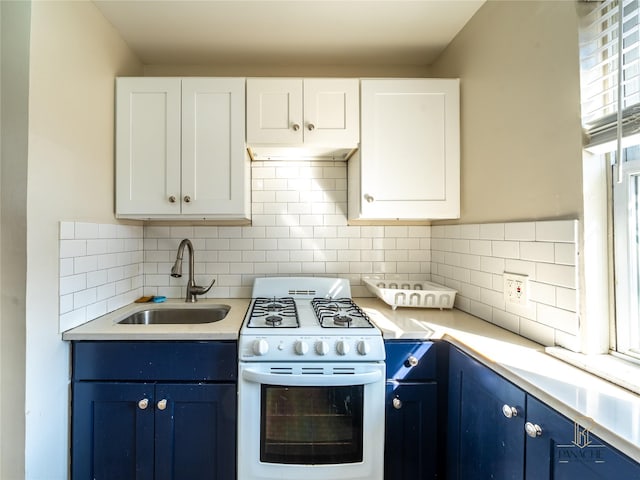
(205, 361)
(411, 360)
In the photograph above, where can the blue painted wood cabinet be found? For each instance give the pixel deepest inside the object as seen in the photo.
(153, 410)
(411, 439)
(496, 430)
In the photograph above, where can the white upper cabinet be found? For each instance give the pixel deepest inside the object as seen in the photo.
(408, 165)
(304, 118)
(180, 149)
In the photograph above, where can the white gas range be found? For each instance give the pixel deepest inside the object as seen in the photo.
(311, 384)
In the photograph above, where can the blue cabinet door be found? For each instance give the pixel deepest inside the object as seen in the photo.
(566, 450)
(112, 431)
(195, 432)
(482, 442)
(411, 448)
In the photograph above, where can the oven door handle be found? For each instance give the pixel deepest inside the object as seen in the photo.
(311, 380)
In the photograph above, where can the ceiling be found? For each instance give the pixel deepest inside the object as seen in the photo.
(300, 32)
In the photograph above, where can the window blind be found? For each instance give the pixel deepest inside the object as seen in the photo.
(610, 73)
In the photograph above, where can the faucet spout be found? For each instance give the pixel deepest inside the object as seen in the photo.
(176, 271)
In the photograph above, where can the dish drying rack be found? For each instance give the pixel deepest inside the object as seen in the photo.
(410, 293)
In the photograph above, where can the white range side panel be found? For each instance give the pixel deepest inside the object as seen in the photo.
(410, 149)
(147, 146)
(214, 158)
(274, 106)
(332, 111)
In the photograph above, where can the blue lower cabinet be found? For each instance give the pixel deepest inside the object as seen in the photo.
(150, 429)
(483, 442)
(559, 448)
(112, 436)
(411, 424)
(498, 431)
(411, 443)
(195, 433)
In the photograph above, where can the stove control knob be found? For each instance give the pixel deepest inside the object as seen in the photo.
(301, 348)
(322, 348)
(363, 347)
(342, 347)
(260, 347)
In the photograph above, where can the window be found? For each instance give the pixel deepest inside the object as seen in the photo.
(610, 77)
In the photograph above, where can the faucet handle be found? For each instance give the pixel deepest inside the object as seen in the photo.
(198, 290)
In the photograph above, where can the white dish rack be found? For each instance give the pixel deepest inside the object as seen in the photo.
(410, 293)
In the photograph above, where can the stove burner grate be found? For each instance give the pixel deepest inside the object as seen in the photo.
(274, 312)
(340, 313)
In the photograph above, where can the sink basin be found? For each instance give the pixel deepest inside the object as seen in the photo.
(177, 316)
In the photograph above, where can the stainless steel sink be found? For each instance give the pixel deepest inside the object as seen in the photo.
(177, 316)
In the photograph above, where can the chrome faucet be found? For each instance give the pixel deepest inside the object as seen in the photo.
(176, 271)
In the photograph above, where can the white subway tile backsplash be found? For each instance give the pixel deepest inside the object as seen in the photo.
(537, 251)
(545, 251)
(100, 265)
(299, 227)
(561, 275)
(520, 231)
(557, 231)
(492, 231)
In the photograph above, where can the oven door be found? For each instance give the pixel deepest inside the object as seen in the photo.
(311, 421)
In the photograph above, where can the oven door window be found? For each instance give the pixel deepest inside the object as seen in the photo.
(311, 425)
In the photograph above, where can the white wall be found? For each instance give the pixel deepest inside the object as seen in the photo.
(521, 143)
(75, 55)
(14, 30)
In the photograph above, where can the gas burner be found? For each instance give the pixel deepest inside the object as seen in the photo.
(274, 307)
(339, 313)
(273, 312)
(342, 320)
(273, 320)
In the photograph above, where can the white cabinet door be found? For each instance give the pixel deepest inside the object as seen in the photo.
(409, 161)
(148, 146)
(180, 150)
(274, 111)
(331, 111)
(310, 111)
(213, 153)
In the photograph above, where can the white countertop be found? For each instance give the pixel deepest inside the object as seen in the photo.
(571, 391)
(107, 327)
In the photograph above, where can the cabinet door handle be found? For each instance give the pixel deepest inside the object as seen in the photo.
(509, 411)
(311, 127)
(368, 198)
(295, 127)
(187, 199)
(532, 429)
(412, 361)
(162, 404)
(172, 199)
(397, 403)
(143, 404)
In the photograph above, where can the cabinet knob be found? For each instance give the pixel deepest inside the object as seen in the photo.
(397, 403)
(295, 127)
(172, 199)
(509, 411)
(368, 198)
(311, 127)
(187, 199)
(411, 361)
(162, 404)
(143, 404)
(532, 429)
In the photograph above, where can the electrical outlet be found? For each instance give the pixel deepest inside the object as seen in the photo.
(516, 289)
